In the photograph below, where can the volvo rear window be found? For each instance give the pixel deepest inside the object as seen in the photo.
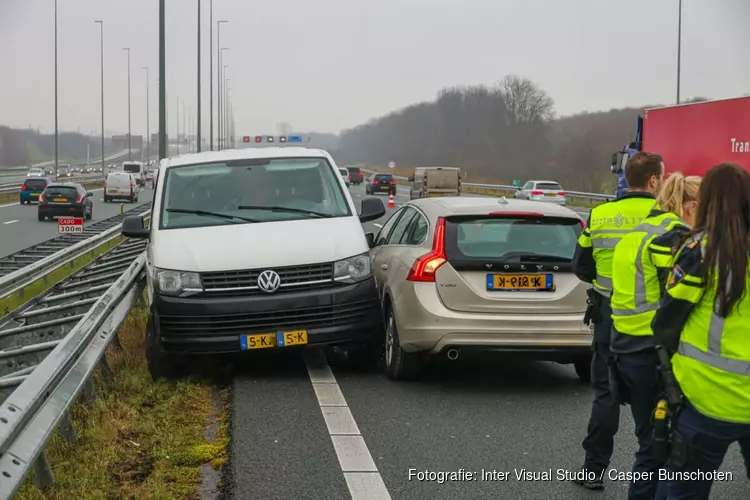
(499, 238)
(36, 183)
(549, 186)
(64, 191)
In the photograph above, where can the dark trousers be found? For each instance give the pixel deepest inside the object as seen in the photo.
(710, 439)
(605, 412)
(639, 373)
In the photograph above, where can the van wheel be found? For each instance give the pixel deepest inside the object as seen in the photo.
(583, 368)
(160, 365)
(399, 365)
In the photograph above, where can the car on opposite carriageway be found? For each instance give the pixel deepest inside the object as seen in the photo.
(465, 274)
(256, 248)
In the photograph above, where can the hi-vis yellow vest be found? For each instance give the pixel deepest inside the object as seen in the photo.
(712, 363)
(635, 282)
(609, 223)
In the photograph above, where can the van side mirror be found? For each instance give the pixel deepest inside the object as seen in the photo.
(372, 209)
(89, 194)
(370, 237)
(411, 179)
(134, 226)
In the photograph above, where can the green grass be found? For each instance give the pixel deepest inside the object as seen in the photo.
(140, 439)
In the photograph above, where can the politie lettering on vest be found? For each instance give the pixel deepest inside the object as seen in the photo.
(640, 269)
(592, 263)
(703, 322)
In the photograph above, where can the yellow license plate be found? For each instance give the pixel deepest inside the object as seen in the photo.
(35, 195)
(520, 282)
(114, 191)
(60, 199)
(269, 340)
(550, 195)
(434, 194)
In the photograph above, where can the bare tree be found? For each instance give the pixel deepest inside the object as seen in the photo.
(525, 101)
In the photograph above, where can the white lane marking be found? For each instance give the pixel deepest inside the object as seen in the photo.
(10, 204)
(360, 472)
(377, 225)
(11, 222)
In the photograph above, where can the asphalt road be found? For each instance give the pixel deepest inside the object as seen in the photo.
(488, 413)
(19, 227)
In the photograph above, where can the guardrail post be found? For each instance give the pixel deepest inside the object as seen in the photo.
(89, 391)
(43, 472)
(122, 208)
(67, 430)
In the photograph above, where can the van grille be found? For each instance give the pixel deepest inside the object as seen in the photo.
(293, 279)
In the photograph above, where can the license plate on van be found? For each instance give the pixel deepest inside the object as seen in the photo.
(277, 339)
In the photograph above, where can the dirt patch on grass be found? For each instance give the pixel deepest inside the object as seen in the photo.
(140, 439)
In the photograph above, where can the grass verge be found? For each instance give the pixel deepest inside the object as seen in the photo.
(14, 196)
(140, 439)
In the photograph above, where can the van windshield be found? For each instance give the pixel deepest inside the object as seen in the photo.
(131, 168)
(254, 190)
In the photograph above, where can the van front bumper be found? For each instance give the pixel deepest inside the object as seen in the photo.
(205, 324)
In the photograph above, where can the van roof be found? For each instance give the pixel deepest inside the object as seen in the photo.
(246, 154)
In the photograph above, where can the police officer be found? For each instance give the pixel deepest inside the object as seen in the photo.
(703, 320)
(640, 264)
(592, 263)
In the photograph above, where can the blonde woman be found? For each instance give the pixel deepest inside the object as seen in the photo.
(640, 265)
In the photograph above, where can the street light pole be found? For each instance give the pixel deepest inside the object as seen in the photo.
(679, 47)
(225, 101)
(184, 133)
(101, 25)
(163, 146)
(198, 113)
(148, 121)
(130, 144)
(211, 73)
(218, 79)
(177, 124)
(220, 111)
(57, 156)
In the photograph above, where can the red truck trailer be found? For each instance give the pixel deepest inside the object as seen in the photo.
(693, 137)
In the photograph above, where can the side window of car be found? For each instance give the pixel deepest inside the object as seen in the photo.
(382, 236)
(416, 232)
(401, 227)
(527, 186)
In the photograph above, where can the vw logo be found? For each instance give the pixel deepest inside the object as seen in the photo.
(269, 281)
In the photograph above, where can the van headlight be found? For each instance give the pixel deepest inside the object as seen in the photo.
(353, 269)
(177, 282)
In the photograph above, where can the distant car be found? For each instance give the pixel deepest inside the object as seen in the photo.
(549, 191)
(61, 199)
(32, 188)
(345, 174)
(355, 175)
(120, 185)
(381, 183)
(469, 274)
(35, 172)
(64, 171)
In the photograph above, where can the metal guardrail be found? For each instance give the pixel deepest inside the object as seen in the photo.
(504, 190)
(51, 248)
(14, 187)
(80, 317)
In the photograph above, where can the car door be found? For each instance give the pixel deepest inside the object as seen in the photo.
(376, 252)
(387, 263)
(524, 192)
(404, 250)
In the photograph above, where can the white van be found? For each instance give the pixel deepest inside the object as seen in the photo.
(256, 248)
(135, 168)
(120, 186)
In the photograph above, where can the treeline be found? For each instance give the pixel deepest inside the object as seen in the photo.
(20, 147)
(501, 133)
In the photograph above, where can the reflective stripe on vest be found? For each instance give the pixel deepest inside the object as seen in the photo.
(641, 298)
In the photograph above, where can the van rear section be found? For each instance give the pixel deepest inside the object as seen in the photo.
(441, 181)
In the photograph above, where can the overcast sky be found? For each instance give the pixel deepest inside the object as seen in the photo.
(325, 65)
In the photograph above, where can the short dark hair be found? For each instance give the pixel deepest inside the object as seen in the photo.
(641, 167)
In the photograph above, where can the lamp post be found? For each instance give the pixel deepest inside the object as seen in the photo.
(679, 46)
(224, 112)
(101, 25)
(198, 113)
(220, 109)
(57, 156)
(130, 144)
(148, 121)
(163, 146)
(218, 67)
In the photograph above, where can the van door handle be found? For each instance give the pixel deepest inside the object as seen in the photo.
(384, 267)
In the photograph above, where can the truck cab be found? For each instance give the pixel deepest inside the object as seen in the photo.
(620, 158)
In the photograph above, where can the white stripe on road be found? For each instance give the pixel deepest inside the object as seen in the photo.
(11, 222)
(377, 225)
(360, 472)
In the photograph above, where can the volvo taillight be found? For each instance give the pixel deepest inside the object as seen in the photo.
(424, 268)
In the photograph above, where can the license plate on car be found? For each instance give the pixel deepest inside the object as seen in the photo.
(277, 339)
(550, 195)
(520, 282)
(35, 195)
(60, 200)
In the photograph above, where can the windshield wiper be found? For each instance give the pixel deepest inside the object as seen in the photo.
(285, 209)
(210, 214)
